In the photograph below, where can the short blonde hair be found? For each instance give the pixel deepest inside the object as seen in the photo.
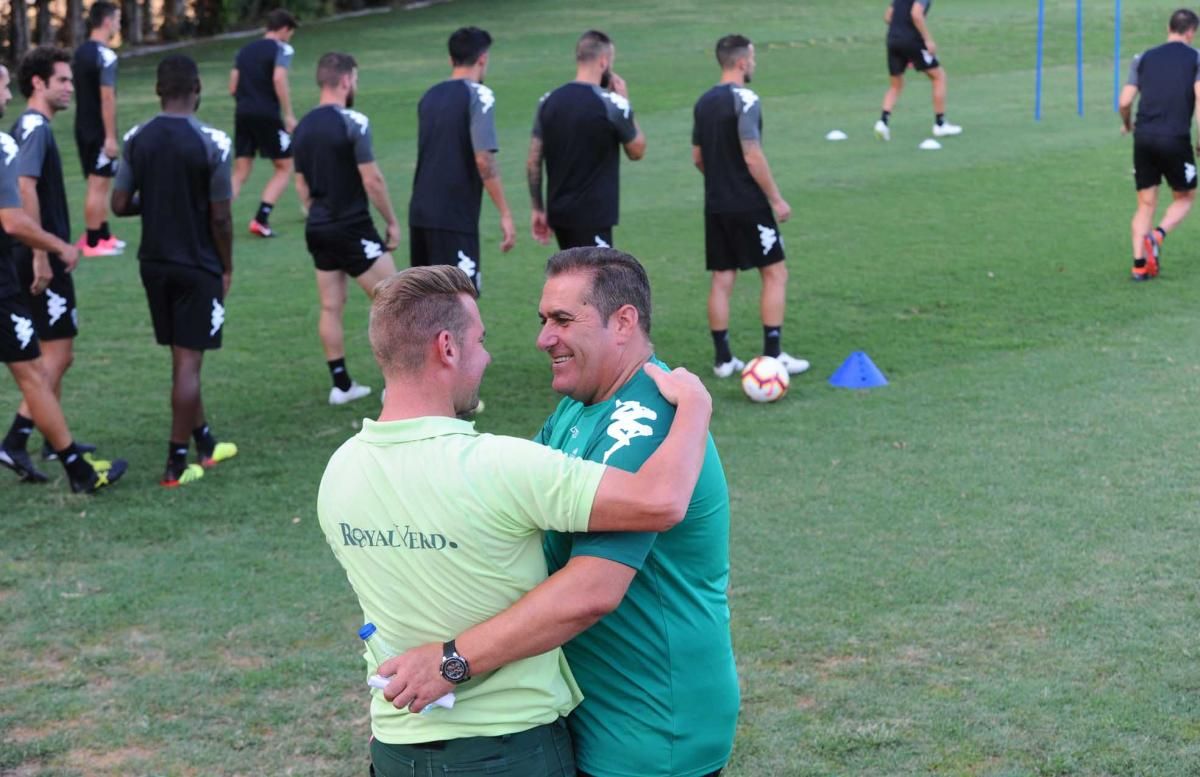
(411, 308)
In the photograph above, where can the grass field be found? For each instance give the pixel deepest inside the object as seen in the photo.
(986, 568)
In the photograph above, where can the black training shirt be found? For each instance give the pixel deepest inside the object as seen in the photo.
(10, 197)
(256, 63)
(456, 119)
(177, 166)
(94, 66)
(902, 30)
(38, 158)
(1166, 77)
(328, 145)
(724, 116)
(582, 128)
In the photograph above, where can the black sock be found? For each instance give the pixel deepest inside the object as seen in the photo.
(17, 438)
(772, 335)
(885, 116)
(77, 467)
(104, 233)
(1139, 262)
(1162, 233)
(939, 119)
(176, 458)
(205, 442)
(721, 344)
(339, 373)
(264, 212)
(94, 237)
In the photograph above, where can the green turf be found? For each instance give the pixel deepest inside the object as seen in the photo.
(986, 568)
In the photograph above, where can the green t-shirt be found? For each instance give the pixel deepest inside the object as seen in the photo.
(658, 676)
(439, 528)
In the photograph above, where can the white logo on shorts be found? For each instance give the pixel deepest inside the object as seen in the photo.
(102, 160)
(600, 242)
(371, 249)
(218, 317)
(1189, 171)
(23, 329)
(466, 264)
(285, 140)
(56, 305)
(928, 57)
(767, 237)
(625, 425)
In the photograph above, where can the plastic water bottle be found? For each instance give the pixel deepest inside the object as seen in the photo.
(381, 651)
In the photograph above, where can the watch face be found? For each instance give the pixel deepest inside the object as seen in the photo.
(454, 669)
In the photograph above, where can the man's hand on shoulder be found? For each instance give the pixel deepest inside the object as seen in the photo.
(415, 678)
(678, 385)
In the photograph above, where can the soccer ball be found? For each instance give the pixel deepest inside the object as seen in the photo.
(764, 379)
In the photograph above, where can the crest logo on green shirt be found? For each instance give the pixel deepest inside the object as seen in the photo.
(626, 426)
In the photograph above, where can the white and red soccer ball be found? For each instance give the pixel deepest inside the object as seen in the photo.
(764, 379)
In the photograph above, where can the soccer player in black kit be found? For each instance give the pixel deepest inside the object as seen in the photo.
(259, 83)
(19, 348)
(456, 161)
(95, 69)
(741, 203)
(175, 174)
(910, 44)
(337, 176)
(1168, 79)
(579, 130)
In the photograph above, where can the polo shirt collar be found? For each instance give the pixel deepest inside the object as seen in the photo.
(413, 429)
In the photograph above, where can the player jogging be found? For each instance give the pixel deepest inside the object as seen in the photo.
(95, 69)
(741, 203)
(336, 175)
(578, 130)
(175, 173)
(910, 44)
(1167, 78)
(259, 83)
(456, 161)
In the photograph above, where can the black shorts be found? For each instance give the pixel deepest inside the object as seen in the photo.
(901, 55)
(741, 241)
(350, 248)
(18, 338)
(443, 246)
(263, 135)
(186, 305)
(1158, 156)
(55, 316)
(93, 159)
(578, 237)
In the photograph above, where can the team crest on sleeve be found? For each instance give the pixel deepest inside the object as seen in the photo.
(487, 98)
(358, 118)
(748, 97)
(221, 139)
(8, 148)
(107, 56)
(627, 425)
(287, 49)
(619, 101)
(29, 123)
(131, 132)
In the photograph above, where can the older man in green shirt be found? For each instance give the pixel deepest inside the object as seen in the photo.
(656, 662)
(439, 528)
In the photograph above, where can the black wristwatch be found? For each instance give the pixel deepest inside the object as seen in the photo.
(454, 667)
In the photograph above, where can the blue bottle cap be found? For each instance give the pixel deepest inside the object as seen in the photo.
(366, 631)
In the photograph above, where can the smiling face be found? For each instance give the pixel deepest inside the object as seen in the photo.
(584, 353)
(57, 92)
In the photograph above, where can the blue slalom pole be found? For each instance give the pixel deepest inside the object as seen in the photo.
(1037, 86)
(1116, 56)
(1079, 56)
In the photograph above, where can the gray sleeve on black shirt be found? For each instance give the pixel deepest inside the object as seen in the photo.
(283, 57)
(124, 182)
(537, 116)
(34, 140)
(358, 127)
(220, 166)
(108, 67)
(10, 193)
(749, 113)
(620, 114)
(483, 119)
(1133, 70)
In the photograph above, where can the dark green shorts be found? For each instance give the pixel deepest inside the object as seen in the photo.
(544, 751)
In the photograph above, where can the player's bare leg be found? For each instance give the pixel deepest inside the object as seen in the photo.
(95, 218)
(1181, 203)
(381, 269)
(56, 358)
(278, 181)
(773, 298)
(938, 78)
(892, 95)
(38, 402)
(241, 171)
(719, 293)
(331, 290)
(1140, 228)
(187, 406)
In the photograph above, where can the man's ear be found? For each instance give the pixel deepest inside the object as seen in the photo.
(626, 319)
(446, 348)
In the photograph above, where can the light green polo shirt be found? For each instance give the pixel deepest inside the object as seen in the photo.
(439, 528)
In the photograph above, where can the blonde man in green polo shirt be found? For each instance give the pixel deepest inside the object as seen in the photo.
(439, 528)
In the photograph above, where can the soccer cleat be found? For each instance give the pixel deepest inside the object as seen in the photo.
(100, 249)
(100, 478)
(1153, 248)
(793, 365)
(189, 474)
(1141, 273)
(100, 465)
(19, 461)
(48, 453)
(946, 130)
(339, 397)
(725, 369)
(222, 452)
(882, 130)
(113, 244)
(262, 230)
